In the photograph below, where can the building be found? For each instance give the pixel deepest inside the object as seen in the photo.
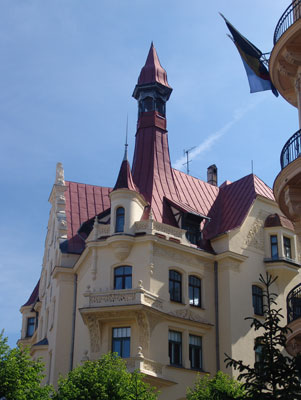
(161, 268)
(285, 68)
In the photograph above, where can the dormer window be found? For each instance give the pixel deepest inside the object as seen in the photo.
(191, 224)
(119, 225)
(287, 247)
(274, 247)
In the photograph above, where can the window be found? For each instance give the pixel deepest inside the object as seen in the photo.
(119, 226)
(123, 277)
(195, 352)
(30, 326)
(274, 247)
(258, 356)
(287, 247)
(175, 347)
(194, 291)
(175, 286)
(121, 341)
(257, 298)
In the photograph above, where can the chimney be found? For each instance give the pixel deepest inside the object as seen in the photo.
(212, 175)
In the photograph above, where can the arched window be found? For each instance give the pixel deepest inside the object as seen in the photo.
(123, 277)
(175, 286)
(194, 291)
(119, 226)
(257, 299)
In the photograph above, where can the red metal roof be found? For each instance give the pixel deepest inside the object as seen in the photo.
(125, 179)
(83, 202)
(153, 71)
(275, 220)
(34, 296)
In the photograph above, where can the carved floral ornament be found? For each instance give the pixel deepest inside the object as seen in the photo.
(255, 236)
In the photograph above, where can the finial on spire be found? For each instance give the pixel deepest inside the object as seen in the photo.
(125, 158)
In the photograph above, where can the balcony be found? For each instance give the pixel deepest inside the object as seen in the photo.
(291, 150)
(288, 18)
(293, 302)
(286, 55)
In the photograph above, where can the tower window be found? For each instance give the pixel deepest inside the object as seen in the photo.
(195, 352)
(175, 286)
(194, 291)
(121, 341)
(175, 348)
(287, 247)
(30, 326)
(148, 104)
(274, 247)
(160, 106)
(123, 277)
(257, 299)
(119, 226)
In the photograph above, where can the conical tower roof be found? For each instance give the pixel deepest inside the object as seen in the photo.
(153, 71)
(125, 179)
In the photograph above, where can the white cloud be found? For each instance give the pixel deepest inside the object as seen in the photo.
(206, 145)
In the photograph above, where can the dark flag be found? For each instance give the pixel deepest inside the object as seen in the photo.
(258, 75)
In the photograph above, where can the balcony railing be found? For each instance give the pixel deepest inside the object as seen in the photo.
(293, 303)
(288, 18)
(291, 150)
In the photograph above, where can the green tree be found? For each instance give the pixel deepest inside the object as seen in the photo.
(274, 375)
(220, 387)
(104, 379)
(20, 376)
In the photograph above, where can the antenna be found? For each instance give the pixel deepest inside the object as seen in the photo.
(126, 139)
(186, 152)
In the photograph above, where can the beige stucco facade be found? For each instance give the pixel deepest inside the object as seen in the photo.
(79, 307)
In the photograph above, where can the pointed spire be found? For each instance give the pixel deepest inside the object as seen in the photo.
(125, 158)
(153, 71)
(125, 179)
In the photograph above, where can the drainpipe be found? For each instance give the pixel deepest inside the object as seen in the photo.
(218, 367)
(73, 321)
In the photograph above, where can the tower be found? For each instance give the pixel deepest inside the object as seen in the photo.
(285, 69)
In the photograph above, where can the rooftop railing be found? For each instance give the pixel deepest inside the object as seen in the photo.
(291, 150)
(293, 303)
(288, 18)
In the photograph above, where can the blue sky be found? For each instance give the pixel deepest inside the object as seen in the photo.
(67, 74)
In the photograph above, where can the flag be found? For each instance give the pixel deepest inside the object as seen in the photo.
(258, 75)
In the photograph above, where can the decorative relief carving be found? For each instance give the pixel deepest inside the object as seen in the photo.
(255, 237)
(94, 329)
(156, 303)
(98, 299)
(152, 366)
(188, 314)
(170, 230)
(59, 179)
(103, 230)
(144, 335)
(176, 256)
(141, 225)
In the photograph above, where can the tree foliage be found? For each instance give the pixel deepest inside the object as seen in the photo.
(104, 379)
(274, 375)
(20, 376)
(220, 387)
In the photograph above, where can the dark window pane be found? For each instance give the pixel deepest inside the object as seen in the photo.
(257, 299)
(123, 277)
(117, 346)
(118, 283)
(274, 247)
(128, 282)
(175, 348)
(121, 341)
(175, 286)
(194, 291)
(119, 226)
(126, 348)
(287, 247)
(30, 326)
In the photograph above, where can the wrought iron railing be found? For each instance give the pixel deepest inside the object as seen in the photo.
(293, 304)
(291, 150)
(288, 18)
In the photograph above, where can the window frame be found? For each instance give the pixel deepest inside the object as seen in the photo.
(30, 323)
(274, 245)
(193, 349)
(123, 277)
(175, 349)
(257, 300)
(194, 288)
(119, 219)
(175, 286)
(123, 340)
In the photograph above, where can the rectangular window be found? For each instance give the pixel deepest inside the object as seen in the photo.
(175, 348)
(195, 352)
(257, 299)
(175, 286)
(121, 341)
(274, 247)
(287, 247)
(194, 291)
(30, 326)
